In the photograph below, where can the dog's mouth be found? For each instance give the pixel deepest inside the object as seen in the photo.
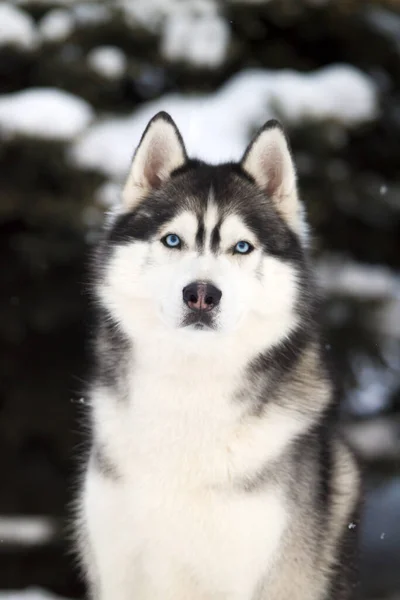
(198, 320)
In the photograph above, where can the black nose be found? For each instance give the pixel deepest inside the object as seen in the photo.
(201, 296)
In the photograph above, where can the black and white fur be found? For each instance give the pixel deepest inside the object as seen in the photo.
(216, 471)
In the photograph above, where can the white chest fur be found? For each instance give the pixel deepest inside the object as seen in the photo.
(178, 519)
(188, 418)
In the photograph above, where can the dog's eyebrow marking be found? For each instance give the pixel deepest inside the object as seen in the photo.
(200, 235)
(215, 237)
(211, 220)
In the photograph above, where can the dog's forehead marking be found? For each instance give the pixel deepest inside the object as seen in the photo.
(211, 222)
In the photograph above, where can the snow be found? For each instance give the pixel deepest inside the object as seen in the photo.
(56, 25)
(388, 317)
(375, 439)
(108, 61)
(46, 2)
(199, 39)
(339, 93)
(108, 194)
(383, 190)
(87, 13)
(376, 381)
(27, 531)
(17, 28)
(375, 385)
(193, 31)
(338, 275)
(386, 22)
(32, 593)
(44, 113)
(217, 126)
(149, 14)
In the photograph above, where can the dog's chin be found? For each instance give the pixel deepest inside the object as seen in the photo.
(196, 327)
(198, 322)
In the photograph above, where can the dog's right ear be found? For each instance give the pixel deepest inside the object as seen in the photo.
(269, 162)
(161, 150)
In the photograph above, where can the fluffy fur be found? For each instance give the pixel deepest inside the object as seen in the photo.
(216, 471)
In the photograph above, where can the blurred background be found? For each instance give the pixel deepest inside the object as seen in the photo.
(78, 82)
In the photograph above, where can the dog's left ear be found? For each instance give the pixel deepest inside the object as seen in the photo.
(161, 150)
(269, 162)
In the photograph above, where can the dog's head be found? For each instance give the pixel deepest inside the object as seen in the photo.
(198, 248)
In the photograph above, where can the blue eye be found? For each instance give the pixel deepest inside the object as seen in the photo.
(172, 241)
(243, 248)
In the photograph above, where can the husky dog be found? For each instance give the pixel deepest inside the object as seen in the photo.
(216, 471)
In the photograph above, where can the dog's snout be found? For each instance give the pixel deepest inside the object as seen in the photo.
(201, 296)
